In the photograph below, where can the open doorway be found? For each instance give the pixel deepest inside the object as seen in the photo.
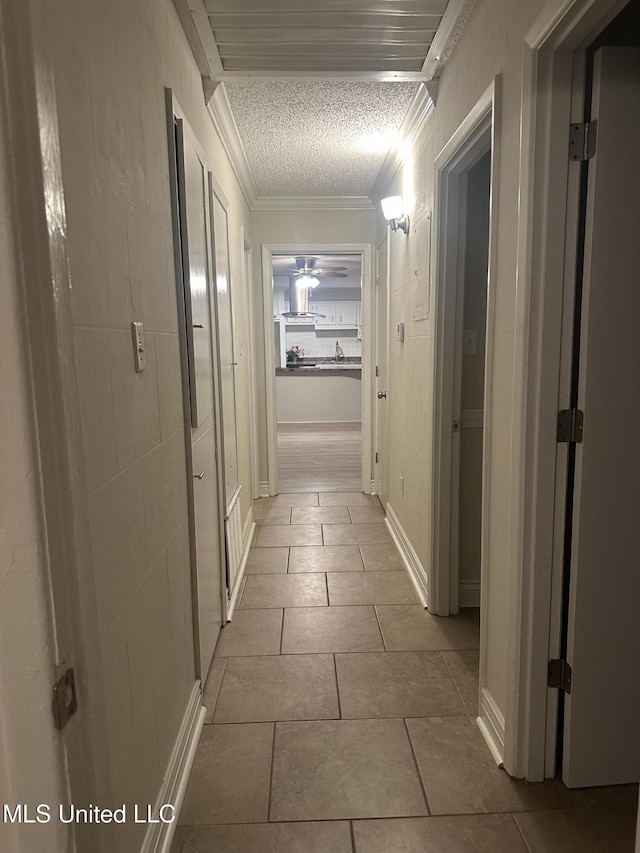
(332, 323)
(317, 310)
(463, 353)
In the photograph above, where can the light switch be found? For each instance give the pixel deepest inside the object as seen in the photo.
(470, 342)
(140, 357)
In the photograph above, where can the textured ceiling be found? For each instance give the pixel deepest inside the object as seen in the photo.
(320, 138)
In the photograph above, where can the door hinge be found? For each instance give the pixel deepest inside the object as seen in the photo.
(559, 675)
(582, 140)
(377, 370)
(457, 426)
(65, 699)
(570, 426)
(377, 456)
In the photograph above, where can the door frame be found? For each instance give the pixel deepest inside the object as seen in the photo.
(174, 111)
(365, 250)
(553, 58)
(383, 351)
(249, 309)
(475, 136)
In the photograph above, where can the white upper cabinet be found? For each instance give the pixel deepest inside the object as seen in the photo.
(337, 315)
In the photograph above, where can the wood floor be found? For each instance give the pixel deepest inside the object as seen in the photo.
(320, 457)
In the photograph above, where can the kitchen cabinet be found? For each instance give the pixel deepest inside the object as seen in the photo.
(337, 315)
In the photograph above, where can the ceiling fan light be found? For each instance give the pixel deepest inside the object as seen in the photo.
(306, 281)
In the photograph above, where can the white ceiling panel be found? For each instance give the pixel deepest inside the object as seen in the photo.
(304, 35)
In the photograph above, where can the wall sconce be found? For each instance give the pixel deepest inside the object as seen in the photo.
(392, 212)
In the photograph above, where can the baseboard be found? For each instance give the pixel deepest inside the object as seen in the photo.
(414, 567)
(248, 530)
(263, 488)
(491, 724)
(320, 423)
(159, 836)
(470, 593)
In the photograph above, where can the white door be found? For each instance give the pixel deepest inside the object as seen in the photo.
(209, 578)
(226, 355)
(382, 342)
(601, 732)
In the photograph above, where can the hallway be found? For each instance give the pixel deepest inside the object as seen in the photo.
(341, 714)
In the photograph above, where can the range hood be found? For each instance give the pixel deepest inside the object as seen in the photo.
(298, 300)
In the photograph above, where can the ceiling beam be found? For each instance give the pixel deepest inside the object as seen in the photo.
(451, 26)
(195, 22)
(356, 76)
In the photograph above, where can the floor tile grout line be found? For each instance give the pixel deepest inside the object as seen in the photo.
(273, 756)
(335, 668)
(281, 630)
(384, 642)
(353, 836)
(417, 766)
(455, 683)
(522, 835)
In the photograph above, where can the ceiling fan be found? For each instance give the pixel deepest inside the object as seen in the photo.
(307, 274)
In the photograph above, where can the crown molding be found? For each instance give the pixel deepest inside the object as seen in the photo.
(312, 203)
(227, 129)
(451, 26)
(410, 129)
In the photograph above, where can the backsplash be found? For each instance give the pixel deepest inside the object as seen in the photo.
(323, 344)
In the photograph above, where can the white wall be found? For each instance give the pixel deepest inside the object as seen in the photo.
(112, 63)
(490, 45)
(31, 749)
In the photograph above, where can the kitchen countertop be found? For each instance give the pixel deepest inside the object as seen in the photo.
(320, 367)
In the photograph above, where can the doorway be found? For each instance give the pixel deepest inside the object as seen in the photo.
(317, 355)
(462, 360)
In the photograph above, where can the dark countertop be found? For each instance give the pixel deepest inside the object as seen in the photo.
(323, 367)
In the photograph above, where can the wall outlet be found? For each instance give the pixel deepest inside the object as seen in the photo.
(402, 486)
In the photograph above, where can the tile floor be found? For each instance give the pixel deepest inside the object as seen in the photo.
(341, 714)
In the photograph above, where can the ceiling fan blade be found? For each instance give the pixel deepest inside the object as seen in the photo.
(325, 274)
(330, 269)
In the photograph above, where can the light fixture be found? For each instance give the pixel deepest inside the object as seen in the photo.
(392, 212)
(306, 281)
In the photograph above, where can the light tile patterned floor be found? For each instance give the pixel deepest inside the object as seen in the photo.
(341, 714)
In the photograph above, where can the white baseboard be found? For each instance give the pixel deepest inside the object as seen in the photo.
(414, 567)
(248, 530)
(491, 724)
(159, 836)
(263, 488)
(469, 593)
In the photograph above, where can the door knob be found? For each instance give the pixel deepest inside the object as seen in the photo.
(382, 394)
(198, 476)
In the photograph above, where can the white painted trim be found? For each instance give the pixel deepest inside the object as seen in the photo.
(368, 336)
(227, 129)
(287, 423)
(470, 593)
(545, 195)
(159, 837)
(491, 723)
(412, 564)
(412, 125)
(195, 22)
(451, 26)
(312, 203)
(474, 136)
(249, 306)
(356, 76)
(248, 531)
